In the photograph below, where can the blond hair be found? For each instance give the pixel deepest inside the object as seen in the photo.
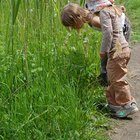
(72, 14)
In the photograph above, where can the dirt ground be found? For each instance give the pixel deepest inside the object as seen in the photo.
(129, 128)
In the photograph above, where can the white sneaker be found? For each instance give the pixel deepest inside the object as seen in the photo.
(114, 108)
(126, 110)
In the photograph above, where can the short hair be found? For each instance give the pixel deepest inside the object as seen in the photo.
(71, 14)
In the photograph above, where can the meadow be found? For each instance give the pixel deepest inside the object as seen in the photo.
(48, 76)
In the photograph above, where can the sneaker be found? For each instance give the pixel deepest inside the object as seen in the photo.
(114, 108)
(126, 110)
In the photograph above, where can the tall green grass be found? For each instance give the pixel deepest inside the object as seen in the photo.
(48, 86)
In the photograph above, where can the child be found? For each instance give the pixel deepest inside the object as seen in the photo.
(74, 16)
(125, 23)
(114, 45)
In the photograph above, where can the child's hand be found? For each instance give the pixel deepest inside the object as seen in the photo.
(102, 54)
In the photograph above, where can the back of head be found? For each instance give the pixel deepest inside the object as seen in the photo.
(73, 15)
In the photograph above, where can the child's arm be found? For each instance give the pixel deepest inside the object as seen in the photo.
(95, 21)
(107, 37)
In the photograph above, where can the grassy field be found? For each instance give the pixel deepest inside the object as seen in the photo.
(48, 84)
(133, 11)
(47, 76)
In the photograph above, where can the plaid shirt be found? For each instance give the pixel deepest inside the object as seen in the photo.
(97, 5)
